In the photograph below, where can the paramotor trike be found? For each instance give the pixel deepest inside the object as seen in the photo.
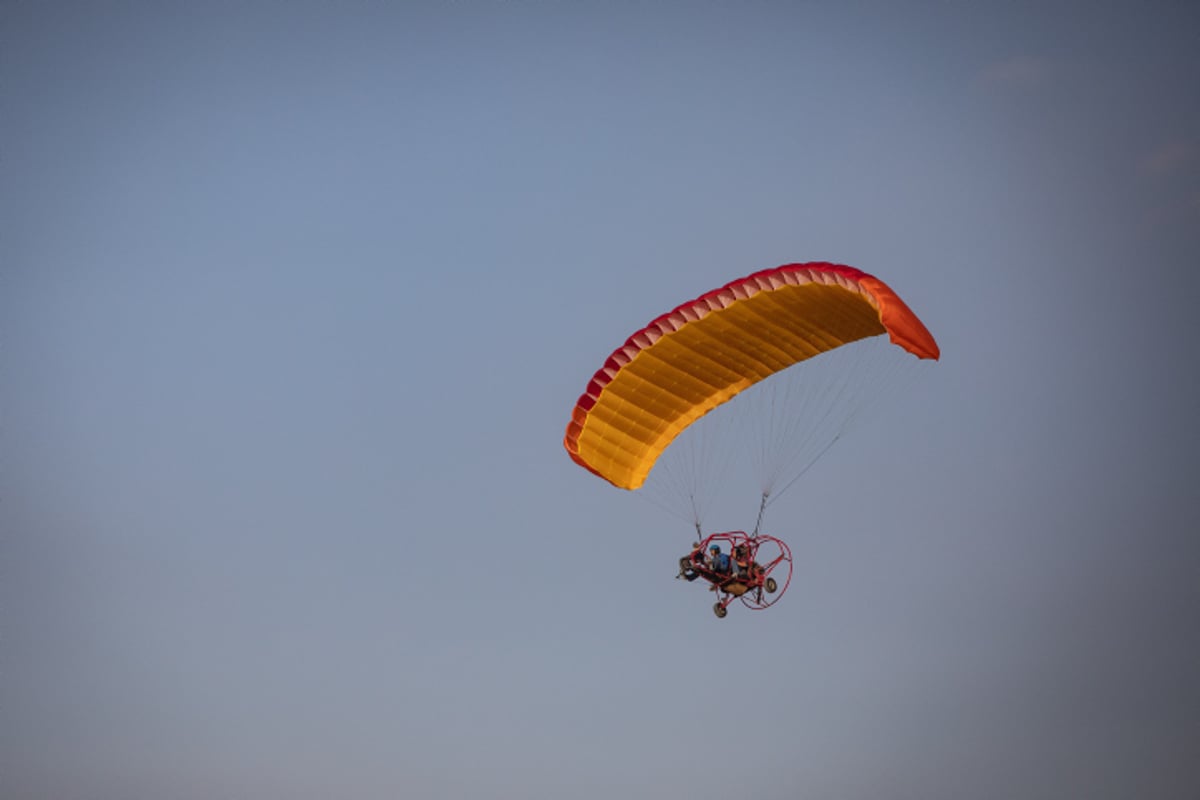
(760, 569)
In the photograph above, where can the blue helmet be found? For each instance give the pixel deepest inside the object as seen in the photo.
(716, 548)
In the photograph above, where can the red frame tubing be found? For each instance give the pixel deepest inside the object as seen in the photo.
(785, 555)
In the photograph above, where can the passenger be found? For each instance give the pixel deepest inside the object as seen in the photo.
(742, 561)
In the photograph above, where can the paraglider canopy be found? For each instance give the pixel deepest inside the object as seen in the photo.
(701, 354)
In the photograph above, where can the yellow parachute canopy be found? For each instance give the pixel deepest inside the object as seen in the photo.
(689, 361)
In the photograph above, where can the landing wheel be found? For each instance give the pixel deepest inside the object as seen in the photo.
(770, 585)
(720, 610)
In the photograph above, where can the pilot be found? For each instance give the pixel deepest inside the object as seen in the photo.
(718, 562)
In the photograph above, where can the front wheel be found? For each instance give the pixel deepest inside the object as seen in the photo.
(720, 610)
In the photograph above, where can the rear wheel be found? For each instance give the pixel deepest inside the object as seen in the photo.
(720, 610)
(770, 585)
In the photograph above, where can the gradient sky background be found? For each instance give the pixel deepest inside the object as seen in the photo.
(295, 303)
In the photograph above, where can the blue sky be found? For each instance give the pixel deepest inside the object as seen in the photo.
(295, 301)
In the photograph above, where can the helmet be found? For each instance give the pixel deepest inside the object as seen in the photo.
(716, 548)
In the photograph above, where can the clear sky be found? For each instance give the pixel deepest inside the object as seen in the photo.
(295, 300)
